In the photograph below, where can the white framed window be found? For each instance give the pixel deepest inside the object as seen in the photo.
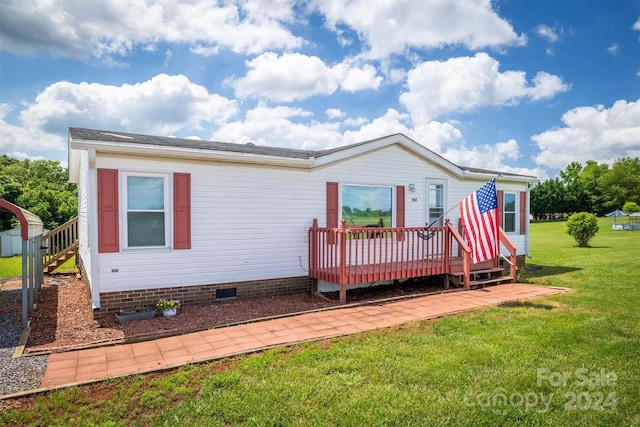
(146, 222)
(509, 213)
(367, 205)
(436, 201)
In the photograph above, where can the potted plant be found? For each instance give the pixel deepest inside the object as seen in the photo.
(139, 313)
(168, 307)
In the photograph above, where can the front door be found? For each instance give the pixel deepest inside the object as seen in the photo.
(436, 201)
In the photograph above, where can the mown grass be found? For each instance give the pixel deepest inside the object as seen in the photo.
(12, 266)
(496, 366)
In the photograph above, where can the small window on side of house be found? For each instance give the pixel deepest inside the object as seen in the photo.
(509, 216)
(146, 222)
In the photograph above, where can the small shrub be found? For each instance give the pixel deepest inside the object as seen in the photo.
(631, 207)
(582, 226)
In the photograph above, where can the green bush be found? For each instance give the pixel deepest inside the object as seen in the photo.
(582, 226)
(631, 207)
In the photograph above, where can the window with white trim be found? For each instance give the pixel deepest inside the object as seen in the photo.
(146, 222)
(509, 214)
(367, 205)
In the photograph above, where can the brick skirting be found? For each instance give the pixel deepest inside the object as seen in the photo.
(111, 302)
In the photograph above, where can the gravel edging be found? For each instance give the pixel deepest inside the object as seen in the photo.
(21, 373)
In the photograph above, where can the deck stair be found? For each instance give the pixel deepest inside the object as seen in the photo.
(60, 245)
(481, 277)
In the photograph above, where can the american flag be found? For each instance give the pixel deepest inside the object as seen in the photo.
(479, 217)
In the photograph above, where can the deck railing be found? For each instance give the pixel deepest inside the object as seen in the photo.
(348, 255)
(59, 241)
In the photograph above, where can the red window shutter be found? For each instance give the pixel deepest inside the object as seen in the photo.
(108, 235)
(400, 207)
(181, 211)
(500, 207)
(332, 205)
(332, 208)
(523, 211)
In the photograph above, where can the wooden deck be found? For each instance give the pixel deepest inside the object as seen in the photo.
(353, 255)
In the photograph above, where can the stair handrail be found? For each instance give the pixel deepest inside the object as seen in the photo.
(511, 247)
(59, 240)
(466, 253)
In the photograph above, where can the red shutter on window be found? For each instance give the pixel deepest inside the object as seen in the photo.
(332, 208)
(500, 207)
(400, 207)
(108, 235)
(181, 211)
(523, 211)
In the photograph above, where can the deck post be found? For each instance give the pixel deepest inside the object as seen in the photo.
(343, 294)
(313, 247)
(343, 261)
(466, 268)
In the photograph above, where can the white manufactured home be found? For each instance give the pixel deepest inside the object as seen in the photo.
(201, 221)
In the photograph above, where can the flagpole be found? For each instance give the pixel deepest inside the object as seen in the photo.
(452, 208)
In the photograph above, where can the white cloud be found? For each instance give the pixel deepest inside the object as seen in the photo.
(391, 122)
(613, 50)
(296, 128)
(162, 105)
(334, 113)
(108, 28)
(484, 156)
(466, 83)
(636, 25)
(355, 121)
(550, 34)
(293, 77)
(389, 27)
(18, 139)
(546, 85)
(592, 133)
(356, 79)
(282, 127)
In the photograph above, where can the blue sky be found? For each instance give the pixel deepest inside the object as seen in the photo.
(512, 85)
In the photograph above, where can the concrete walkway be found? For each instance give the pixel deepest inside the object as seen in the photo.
(85, 366)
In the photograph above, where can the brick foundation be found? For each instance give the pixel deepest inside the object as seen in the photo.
(111, 302)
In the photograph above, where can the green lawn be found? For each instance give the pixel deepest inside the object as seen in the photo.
(12, 267)
(566, 360)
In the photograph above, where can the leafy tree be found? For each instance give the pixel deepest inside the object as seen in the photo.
(593, 188)
(582, 226)
(622, 182)
(548, 198)
(40, 186)
(592, 182)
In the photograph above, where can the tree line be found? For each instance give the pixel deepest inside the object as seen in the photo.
(39, 186)
(594, 187)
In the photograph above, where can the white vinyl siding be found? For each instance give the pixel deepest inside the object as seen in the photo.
(250, 222)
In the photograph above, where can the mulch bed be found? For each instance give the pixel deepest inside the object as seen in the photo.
(63, 317)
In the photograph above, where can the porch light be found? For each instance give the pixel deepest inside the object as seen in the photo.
(412, 187)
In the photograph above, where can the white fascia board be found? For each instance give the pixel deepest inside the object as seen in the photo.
(499, 177)
(74, 163)
(188, 153)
